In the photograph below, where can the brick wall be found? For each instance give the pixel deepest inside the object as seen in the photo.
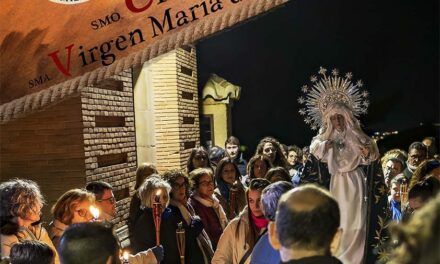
(92, 137)
(46, 147)
(176, 113)
(109, 138)
(188, 102)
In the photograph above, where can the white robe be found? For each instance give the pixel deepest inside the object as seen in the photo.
(347, 185)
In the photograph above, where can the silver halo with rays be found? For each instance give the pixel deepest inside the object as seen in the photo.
(326, 90)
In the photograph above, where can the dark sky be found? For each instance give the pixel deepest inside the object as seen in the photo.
(393, 46)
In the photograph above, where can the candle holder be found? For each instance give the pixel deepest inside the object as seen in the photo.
(232, 200)
(157, 214)
(403, 194)
(181, 243)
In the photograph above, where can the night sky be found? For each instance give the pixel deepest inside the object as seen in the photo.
(393, 46)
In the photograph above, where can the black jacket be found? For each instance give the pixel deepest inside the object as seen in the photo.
(143, 235)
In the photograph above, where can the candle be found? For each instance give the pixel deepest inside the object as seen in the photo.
(232, 200)
(157, 214)
(157, 197)
(125, 257)
(180, 237)
(95, 212)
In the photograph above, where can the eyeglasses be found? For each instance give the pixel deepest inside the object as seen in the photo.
(83, 212)
(206, 183)
(112, 200)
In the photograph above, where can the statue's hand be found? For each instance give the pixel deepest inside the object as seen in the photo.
(328, 145)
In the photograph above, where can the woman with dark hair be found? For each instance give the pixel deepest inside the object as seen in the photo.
(71, 208)
(143, 171)
(199, 248)
(277, 174)
(206, 205)
(230, 192)
(198, 158)
(237, 241)
(257, 167)
(31, 252)
(270, 147)
(20, 211)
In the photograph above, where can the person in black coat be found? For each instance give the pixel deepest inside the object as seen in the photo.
(143, 234)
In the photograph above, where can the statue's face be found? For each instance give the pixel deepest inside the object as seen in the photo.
(338, 122)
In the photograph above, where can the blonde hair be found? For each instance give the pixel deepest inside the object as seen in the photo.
(149, 186)
(64, 207)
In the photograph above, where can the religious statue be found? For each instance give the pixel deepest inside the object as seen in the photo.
(332, 104)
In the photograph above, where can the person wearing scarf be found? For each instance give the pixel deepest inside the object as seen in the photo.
(227, 177)
(199, 248)
(206, 205)
(240, 236)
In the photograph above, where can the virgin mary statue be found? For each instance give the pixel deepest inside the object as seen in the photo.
(332, 104)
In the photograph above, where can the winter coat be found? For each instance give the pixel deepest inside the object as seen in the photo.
(32, 233)
(57, 229)
(144, 233)
(230, 248)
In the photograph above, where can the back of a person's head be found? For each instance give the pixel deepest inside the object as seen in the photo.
(31, 252)
(307, 218)
(91, 243)
(270, 197)
(279, 172)
(216, 153)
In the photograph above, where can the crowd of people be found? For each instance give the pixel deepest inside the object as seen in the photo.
(277, 208)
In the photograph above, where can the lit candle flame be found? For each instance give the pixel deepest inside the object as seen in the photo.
(95, 212)
(157, 198)
(125, 256)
